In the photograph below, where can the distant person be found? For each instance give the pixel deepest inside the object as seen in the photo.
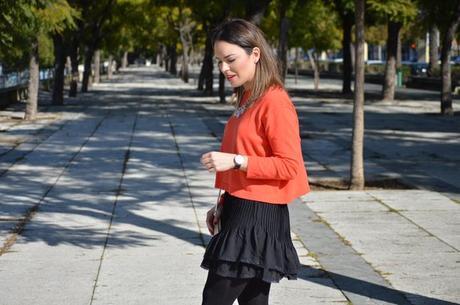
(261, 169)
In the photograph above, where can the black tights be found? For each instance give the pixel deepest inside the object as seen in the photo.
(220, 290)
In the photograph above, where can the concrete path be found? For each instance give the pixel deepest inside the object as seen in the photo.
(108, 201)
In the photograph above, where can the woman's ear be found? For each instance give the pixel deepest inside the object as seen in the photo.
(256, 54)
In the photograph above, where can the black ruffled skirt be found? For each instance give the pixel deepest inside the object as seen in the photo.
(255, 242)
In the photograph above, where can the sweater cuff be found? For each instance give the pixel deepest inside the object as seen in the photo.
(253, 168)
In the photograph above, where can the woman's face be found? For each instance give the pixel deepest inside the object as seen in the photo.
(237, 66)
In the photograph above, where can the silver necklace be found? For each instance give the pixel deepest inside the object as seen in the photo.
(240, 110)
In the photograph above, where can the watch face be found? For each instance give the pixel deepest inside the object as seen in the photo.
(239, 160)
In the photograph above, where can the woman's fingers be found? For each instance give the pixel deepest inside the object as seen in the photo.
(207, 161)
(217, 161)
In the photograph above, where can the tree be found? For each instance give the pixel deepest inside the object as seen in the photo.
(447, 38)
(212, 13)
(127, 18)
(433, 45)
(396, 13)
(144, 31)
(13, 37)
(95, 15)
(357, 161)
(30, 23)
(58, 33)
(255, 10)
(59, 66)
(314, 28)
(185, 27)
(283, 18)
(74, 44)
(446, 16)
(345, 10)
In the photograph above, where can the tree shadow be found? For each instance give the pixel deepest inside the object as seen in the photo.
(367, 289)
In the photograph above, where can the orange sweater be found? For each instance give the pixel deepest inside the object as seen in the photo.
(268, 133)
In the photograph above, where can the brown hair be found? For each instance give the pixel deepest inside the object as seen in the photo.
(248, 36)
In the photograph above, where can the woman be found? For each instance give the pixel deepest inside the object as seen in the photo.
(260, 167)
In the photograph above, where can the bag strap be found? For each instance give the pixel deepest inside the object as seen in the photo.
(218, 198)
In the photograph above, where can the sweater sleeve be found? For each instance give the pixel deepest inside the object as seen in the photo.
(281, 128)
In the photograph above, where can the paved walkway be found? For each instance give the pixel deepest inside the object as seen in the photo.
(109, 199)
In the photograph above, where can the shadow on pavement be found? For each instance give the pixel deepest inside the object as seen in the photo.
(367, 289)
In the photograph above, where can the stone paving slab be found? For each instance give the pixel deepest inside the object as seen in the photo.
(415, 260)
(153, 270)
(59, 251)
(359, 282)
(27, 181)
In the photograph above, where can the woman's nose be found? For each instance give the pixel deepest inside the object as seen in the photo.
(224, 67)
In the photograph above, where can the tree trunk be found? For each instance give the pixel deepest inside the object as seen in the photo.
(201, 78)
(389, 83)
(185, 59)
(184, 74)
(222, 88)
(124, 61)
(74, 67)
(34, 82)
(167, 61)
(255, 10)
(68, 66)
(59, 67)
(110, 67)
(95, 27)
(357, 162)
(206, 75)
(161, 55)
(173, 62)
(448, 37)
(346, 49)
(314, 65)
(283, 41)
(97, 67)
(434, 44)
(87, 70)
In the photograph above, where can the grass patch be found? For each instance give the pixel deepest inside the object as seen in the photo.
(312, 255)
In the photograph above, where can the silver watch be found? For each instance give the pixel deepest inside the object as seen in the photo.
(238, 161)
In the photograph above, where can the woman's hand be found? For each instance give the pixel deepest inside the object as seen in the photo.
(212, 218)
(215, 161)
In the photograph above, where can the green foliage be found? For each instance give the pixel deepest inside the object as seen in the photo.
(22, 21)
(270, 24)
(376, 34)
(53, 16)
(142, 25)
(402, 11)
(119, 32)
(437, 13)
(12, 37)
(45, 50)
(315, 25)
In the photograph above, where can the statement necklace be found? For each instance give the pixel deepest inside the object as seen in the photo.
(240, 110)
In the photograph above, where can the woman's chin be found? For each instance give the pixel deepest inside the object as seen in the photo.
(235, 84)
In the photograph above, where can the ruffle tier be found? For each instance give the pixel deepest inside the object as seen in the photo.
(254, 241)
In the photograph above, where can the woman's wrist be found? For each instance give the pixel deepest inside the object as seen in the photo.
(244, 167)
(241, 162)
